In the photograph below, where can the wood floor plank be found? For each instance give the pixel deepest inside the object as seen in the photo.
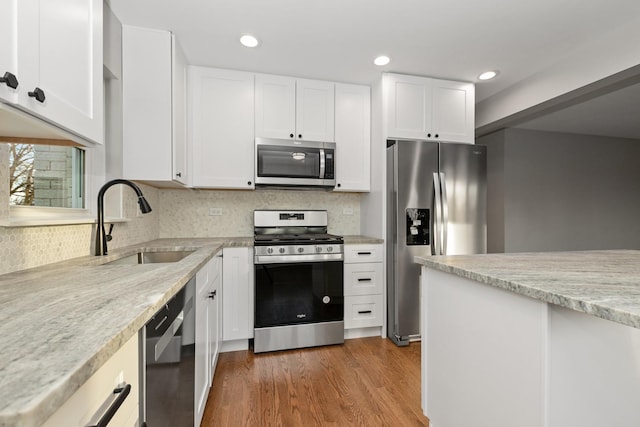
(364, 382)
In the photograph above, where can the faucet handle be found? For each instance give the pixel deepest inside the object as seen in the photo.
(108, 236)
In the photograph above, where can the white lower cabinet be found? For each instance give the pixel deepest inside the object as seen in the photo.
(89, 403)
(363, 287)
(207, 332)
(237, 303)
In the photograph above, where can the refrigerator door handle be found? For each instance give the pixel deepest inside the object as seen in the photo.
(445, 213)
(437, 216)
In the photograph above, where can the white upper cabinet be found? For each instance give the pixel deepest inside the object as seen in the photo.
(275, 108)
(54, 50)
(315, 110)
(432, 109)
(154, 92)
(292, 108)
(8, 47)
(353, 137)
(221, 138)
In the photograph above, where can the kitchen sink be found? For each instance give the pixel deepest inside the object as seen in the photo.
(150, 258)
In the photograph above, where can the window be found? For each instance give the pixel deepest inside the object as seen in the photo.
(46, 176)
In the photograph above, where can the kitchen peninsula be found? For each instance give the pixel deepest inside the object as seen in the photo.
(531, 339)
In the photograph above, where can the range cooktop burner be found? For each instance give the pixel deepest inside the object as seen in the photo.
(281, 239)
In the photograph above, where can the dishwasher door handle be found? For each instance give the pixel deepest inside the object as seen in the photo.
(165, 339)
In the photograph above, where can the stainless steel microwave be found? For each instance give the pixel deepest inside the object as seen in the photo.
(284, 163)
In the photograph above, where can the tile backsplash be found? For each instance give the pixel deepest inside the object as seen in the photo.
(188, 213)
(27, 247)
(176, 213)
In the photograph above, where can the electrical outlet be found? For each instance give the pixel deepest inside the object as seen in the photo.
(215, 211)
(347, 211)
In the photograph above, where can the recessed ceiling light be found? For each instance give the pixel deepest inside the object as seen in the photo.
(382, 60)
(249, 41)
(488, 75)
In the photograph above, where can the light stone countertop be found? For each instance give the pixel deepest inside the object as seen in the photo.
(605, 284)
(61, 322)
(361, 240)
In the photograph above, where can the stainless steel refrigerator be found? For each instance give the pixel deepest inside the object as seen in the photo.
(436, 205)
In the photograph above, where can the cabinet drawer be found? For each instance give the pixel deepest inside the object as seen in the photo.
(87, 404)
(362, 311)
(363, 279)
(362, 253)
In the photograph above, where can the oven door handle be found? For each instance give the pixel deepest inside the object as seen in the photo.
(280, 259)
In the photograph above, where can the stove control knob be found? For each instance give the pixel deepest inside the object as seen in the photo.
(330, 249)
(318, 249)
(300, 249)
(269, 251)
(281, 250)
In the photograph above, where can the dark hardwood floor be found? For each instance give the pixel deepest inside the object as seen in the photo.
(365, 382)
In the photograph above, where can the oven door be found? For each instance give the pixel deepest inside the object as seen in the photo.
(298, 293)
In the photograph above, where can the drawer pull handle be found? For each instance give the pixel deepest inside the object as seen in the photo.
(364, 253)
(122, 393)
(364, 312)
(364, 279)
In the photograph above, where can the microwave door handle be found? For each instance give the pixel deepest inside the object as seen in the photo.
(322, 163)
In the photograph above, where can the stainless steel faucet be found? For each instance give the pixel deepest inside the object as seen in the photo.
(101, 237)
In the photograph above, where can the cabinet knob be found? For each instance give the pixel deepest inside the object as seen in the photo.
(179, 174)
(339, 185)
(10, 80)
(436, 135)
(300, 135)
(290, 135)
(38, 94)
(212, 294)
(248, 182)
(428, 135)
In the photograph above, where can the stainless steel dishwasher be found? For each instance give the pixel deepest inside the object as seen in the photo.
(168, 349)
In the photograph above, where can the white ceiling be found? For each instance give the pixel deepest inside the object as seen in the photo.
(338, 39)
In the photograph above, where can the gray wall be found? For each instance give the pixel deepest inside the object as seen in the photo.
(552, 191)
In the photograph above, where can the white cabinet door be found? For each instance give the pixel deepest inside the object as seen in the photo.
(154, 120)
(314, 110)
(221, 137)
(215, 315)
(237, 284)
(179, 71)
(202, 379)
(453, 109)
(408, 106)
(290, 108)
(146, 98)
(432, 109)
(60, 60)
(275, 106)
(8, 48)
(353, 137)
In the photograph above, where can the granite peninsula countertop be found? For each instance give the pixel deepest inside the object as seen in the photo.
(60, 322)
(605, 284)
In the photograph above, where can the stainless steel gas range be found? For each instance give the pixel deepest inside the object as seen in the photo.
(299, 295)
